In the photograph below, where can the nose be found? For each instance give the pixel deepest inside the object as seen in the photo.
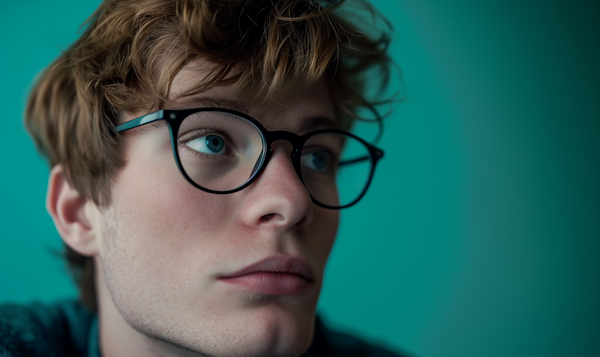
(278, 199)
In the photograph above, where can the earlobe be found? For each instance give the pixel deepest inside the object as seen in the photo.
(67, 207)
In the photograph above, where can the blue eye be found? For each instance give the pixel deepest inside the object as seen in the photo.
(316, 160)
(209, 144)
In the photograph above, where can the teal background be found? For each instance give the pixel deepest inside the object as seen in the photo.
(480, 234)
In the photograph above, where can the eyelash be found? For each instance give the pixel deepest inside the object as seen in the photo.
(198, 133)
(332, 155)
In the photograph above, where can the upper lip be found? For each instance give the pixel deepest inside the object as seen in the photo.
(277, 264)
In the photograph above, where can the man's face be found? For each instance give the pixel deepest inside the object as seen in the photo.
(173, 258)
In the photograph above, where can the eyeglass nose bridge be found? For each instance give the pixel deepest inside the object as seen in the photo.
(297, 143)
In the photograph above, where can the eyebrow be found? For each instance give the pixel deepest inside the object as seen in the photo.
(309, 123)
(317, 122)
(204, 102)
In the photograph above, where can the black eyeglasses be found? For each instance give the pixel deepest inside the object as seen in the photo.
(223, 151)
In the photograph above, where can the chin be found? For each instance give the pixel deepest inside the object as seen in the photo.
(278, 327)
(269, 326)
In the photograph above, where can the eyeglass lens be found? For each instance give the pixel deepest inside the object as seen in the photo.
(221, 151)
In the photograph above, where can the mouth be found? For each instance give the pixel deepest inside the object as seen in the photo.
(276, 275)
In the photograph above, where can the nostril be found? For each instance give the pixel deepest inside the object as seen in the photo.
(267, 217)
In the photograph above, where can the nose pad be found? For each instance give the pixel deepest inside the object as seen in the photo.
(289, 149)
(286, 145)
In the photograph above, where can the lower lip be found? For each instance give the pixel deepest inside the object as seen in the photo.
(271, 283)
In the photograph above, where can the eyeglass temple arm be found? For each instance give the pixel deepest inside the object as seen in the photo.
(352, 161)
(378, 155)
(134, 123)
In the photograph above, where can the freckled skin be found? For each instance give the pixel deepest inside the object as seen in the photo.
(164, 243)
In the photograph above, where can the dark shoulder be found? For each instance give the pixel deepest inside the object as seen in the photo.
(333, 344)
(58, 329)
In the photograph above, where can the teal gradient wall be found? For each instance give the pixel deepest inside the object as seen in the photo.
(480, 235)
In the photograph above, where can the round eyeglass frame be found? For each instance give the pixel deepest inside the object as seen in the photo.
(174, 118)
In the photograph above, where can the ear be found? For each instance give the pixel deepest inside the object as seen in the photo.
(70, 212)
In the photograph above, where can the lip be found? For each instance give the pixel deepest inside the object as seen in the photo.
(275, 275)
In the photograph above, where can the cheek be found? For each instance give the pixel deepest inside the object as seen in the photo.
(165, 231)
(323, 231)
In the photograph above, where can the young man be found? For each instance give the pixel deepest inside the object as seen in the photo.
(199, 162)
